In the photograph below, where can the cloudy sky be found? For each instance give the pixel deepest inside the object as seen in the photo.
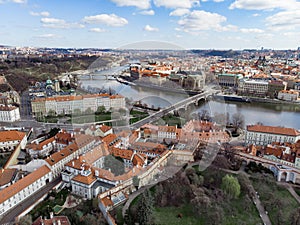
(202, 24)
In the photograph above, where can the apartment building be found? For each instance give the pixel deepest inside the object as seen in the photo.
(73, 104)
(9, 113)
(253, 87)
(24, 188)
(82, 144)
(264, 135)
(288, 95)
(229, 80)
(10, 139)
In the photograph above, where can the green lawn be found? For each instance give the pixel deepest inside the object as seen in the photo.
(136, 112)
(241, 211)
(57, 209)
(48, 205)
(277, 200)
(172, 120)
(234, 214)
(169, 215)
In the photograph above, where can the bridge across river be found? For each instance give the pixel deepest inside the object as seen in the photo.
(182, 104)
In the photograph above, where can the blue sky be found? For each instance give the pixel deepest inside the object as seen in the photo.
(201, 24)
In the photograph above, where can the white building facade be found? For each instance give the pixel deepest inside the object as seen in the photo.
(9, 114)
(264, 135)
(24, 188)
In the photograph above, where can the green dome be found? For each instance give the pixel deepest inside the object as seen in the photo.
(48, 82)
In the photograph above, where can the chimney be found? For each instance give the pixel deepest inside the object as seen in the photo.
(51, 215)
(58, 222)
(73, 163)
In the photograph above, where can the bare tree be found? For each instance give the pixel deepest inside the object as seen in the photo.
(238, 121)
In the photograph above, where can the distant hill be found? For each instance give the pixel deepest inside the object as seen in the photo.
(221, 53)
(22, 72)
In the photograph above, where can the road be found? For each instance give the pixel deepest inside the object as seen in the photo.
(16, 211)
(25, 107)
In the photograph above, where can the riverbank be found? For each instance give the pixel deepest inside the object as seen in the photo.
(236, 98)
(174, 89)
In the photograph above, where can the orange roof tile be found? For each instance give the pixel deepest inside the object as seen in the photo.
(109, 138)
(107, 201)
(63, 221)
(123, 153)
(11, 135)
(39, 146)
(104, 128)
(85, 179)
(58, 156)
(6, 176)
(273, 130)
(13, 189)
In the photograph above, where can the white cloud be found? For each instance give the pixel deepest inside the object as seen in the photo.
(14, 1)
(97, 30)
(255, 15)
(147, 12)
(251, 30)
(200, 20)
(229, 28)
(177, 3)
(48, 36)
(287, 20)
(264, 4)
(291, 34)
(151, 29)
(44, 14)
(141, 4)
(107, 19)
(265, 36)
(19, 1)
(218, 0)
(179, 12)
(59, 23)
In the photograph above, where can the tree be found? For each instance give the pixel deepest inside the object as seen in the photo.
(295, 217)
(76, 112)
(204, 115)
(220, 118)
(145, 208)
(136, 181)
(238, 121)
(101, 109)
(230, 185)
(89, 111)
(25, 220)
(51, 113)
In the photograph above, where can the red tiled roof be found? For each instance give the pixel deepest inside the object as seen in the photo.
(109, 138)
(11, 135)
(6, 176)
(123, 153)
(84, 179)
(63, 221)
(57, 156)
(273, 130)
(13, 189)
(104, 128)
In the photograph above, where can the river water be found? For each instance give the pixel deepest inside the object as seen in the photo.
(268, 114)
